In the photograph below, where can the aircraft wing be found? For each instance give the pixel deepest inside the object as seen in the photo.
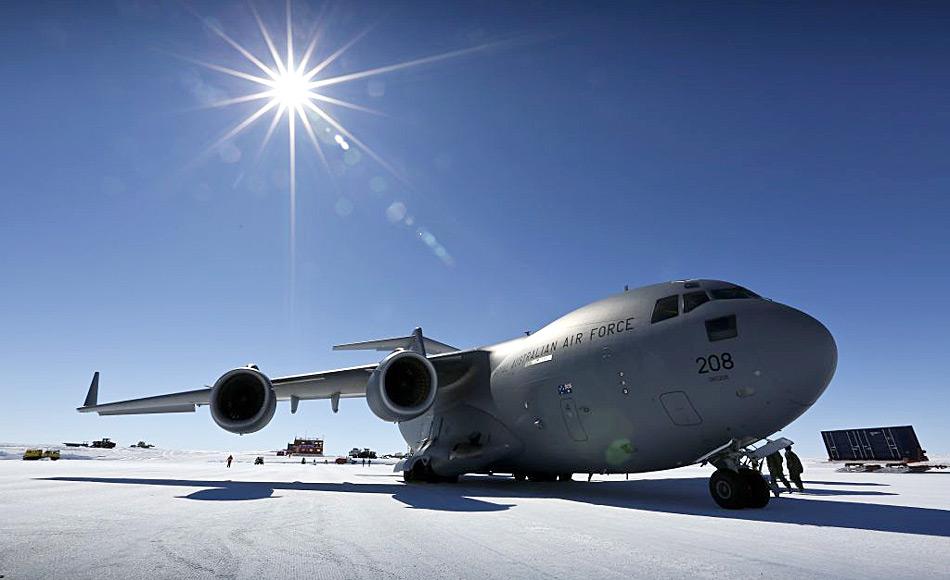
(348, 382)
(334, 384)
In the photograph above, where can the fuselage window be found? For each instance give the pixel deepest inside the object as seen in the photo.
(666, 308)
(693, 299)
(732, 293)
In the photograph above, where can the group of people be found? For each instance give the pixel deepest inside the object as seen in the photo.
(303, 461)
(777, 472)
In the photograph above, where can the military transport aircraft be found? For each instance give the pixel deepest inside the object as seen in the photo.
(654, 378)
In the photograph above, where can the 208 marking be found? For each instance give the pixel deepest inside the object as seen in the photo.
(714, 363)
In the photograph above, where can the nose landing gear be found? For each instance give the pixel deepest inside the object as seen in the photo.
(734, 490)
(737, 482)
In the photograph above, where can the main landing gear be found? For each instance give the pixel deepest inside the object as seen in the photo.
(421, 472)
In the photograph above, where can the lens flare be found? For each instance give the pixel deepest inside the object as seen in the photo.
(290, 90)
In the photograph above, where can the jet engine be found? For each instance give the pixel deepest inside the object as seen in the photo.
(402, 387)
(243, 400)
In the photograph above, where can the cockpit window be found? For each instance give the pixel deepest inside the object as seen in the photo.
(732, 293)
(693, 299)
(721, 328)
(666, 308)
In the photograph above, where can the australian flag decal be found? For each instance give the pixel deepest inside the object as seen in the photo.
(565, 389)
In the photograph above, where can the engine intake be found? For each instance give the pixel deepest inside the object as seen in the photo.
(402, 387)
(243, 401)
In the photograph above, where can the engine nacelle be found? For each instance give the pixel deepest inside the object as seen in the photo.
(402, 387)
(243, 401)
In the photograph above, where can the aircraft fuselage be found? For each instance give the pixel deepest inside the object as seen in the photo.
(631, 384)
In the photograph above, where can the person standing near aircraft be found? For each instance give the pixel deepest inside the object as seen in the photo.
(795, 468)
(230, 459)
(776, 472)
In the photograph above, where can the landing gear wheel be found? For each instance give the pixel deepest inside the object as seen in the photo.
(758, 490)
(565, 477)
(729, 489)
(542, 477)
(417, 474)
(519, 476)
(421, 472)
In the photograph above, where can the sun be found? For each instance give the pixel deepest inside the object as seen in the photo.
(291, 90)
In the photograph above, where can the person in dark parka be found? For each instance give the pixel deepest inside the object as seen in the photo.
(795, 468)
(776, 472)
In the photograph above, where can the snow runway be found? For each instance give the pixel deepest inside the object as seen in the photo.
(164, 514)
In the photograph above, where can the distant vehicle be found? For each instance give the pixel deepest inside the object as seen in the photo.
(51, 454)
(364, 453)
(104, 443)
(142, 445)
(281, 453)
(259, 460)
(32, 454)
(341, 460)
(652, 378)
(83, 444)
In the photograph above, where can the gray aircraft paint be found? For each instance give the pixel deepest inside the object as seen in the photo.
(637, 401)
(601, 389)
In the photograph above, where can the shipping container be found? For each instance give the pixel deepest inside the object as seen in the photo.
(897, 444)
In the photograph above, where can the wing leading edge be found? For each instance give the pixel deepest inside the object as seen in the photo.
(344, 383)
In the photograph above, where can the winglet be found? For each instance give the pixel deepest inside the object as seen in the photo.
(92, 397)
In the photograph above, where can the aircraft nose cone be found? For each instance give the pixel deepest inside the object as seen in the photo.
(800, 353)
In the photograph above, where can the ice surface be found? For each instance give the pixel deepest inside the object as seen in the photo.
(137, 513)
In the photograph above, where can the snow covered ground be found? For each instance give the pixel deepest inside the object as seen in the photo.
(166, 514)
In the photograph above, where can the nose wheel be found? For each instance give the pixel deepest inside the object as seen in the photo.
(735, 490)
(737, 482)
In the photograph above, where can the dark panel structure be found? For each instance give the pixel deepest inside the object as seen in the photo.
(895, 444)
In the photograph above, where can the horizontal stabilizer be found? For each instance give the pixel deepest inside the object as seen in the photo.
(404, 342)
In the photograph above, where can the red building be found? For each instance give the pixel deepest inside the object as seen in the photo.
(302, 446)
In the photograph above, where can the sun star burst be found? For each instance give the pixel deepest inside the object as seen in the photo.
(290, 89)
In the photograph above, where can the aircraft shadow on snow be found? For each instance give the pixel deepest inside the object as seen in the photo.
(680, 496)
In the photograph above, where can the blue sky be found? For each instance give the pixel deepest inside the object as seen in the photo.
(798, 150)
